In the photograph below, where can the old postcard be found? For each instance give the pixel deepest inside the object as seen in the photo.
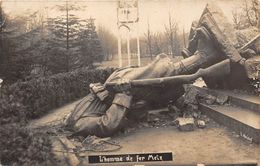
(130, 82)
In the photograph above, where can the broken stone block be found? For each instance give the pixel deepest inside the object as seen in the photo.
(185, 124)
(173, 109)
(180, 102)
(252, 66)
(190, 96)
(196, 114)
(205, 118)
(199, 83)
(210, 99)
(145, 124)
(156, 120)
(222, 99)
(152, 117)
(201, 124)
(192, 107)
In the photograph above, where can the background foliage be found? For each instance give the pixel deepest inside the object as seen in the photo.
(23, 101)
(34, 98)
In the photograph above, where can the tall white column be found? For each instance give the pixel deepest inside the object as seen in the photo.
(119, 49)
(128, 49)
(138, 44)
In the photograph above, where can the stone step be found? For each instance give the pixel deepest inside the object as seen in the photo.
(251, 102)
(247, 101)
(243, 121)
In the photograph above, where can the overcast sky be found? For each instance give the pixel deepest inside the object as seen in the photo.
(157, 11)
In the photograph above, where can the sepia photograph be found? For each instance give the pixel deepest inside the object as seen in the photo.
(129, 82)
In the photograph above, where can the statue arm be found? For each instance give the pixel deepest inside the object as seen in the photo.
(114, 118)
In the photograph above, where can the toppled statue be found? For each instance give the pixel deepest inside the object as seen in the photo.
(210, 54)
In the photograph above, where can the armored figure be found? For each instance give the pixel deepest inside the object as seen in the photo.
(105, 111)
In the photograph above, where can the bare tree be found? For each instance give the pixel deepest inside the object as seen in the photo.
(2, 20)
(158, 43)
(148, 37)
(247, 15)
(171, 31)
(256, 8)
(108, 42)
(236, 18)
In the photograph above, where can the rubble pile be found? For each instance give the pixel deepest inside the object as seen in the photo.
(256, 86)
(253, 68)
(186, 124)
(190, 115)
(184, 113)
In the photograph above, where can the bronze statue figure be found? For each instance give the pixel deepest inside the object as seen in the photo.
(211, 53)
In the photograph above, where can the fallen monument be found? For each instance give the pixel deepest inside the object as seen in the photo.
(223, 57)
(213, 53)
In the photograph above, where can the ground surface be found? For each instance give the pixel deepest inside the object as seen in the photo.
(210, 145)
(213, 144)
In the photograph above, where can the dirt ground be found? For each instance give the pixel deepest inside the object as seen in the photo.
(213, 144)
(210, 145)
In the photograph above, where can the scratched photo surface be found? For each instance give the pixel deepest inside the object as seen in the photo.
(129, 82)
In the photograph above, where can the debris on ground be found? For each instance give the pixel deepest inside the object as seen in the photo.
(186, 124)
(191, 95)
(63, 151)
(222, 99)
(174, 111)
(194, 96)
(196, 114)
(184, 113)
(255, 84)
(161, 118)
(209, 99)
(96, 144)
(201, 124)
(250, 139)
(205, 118)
